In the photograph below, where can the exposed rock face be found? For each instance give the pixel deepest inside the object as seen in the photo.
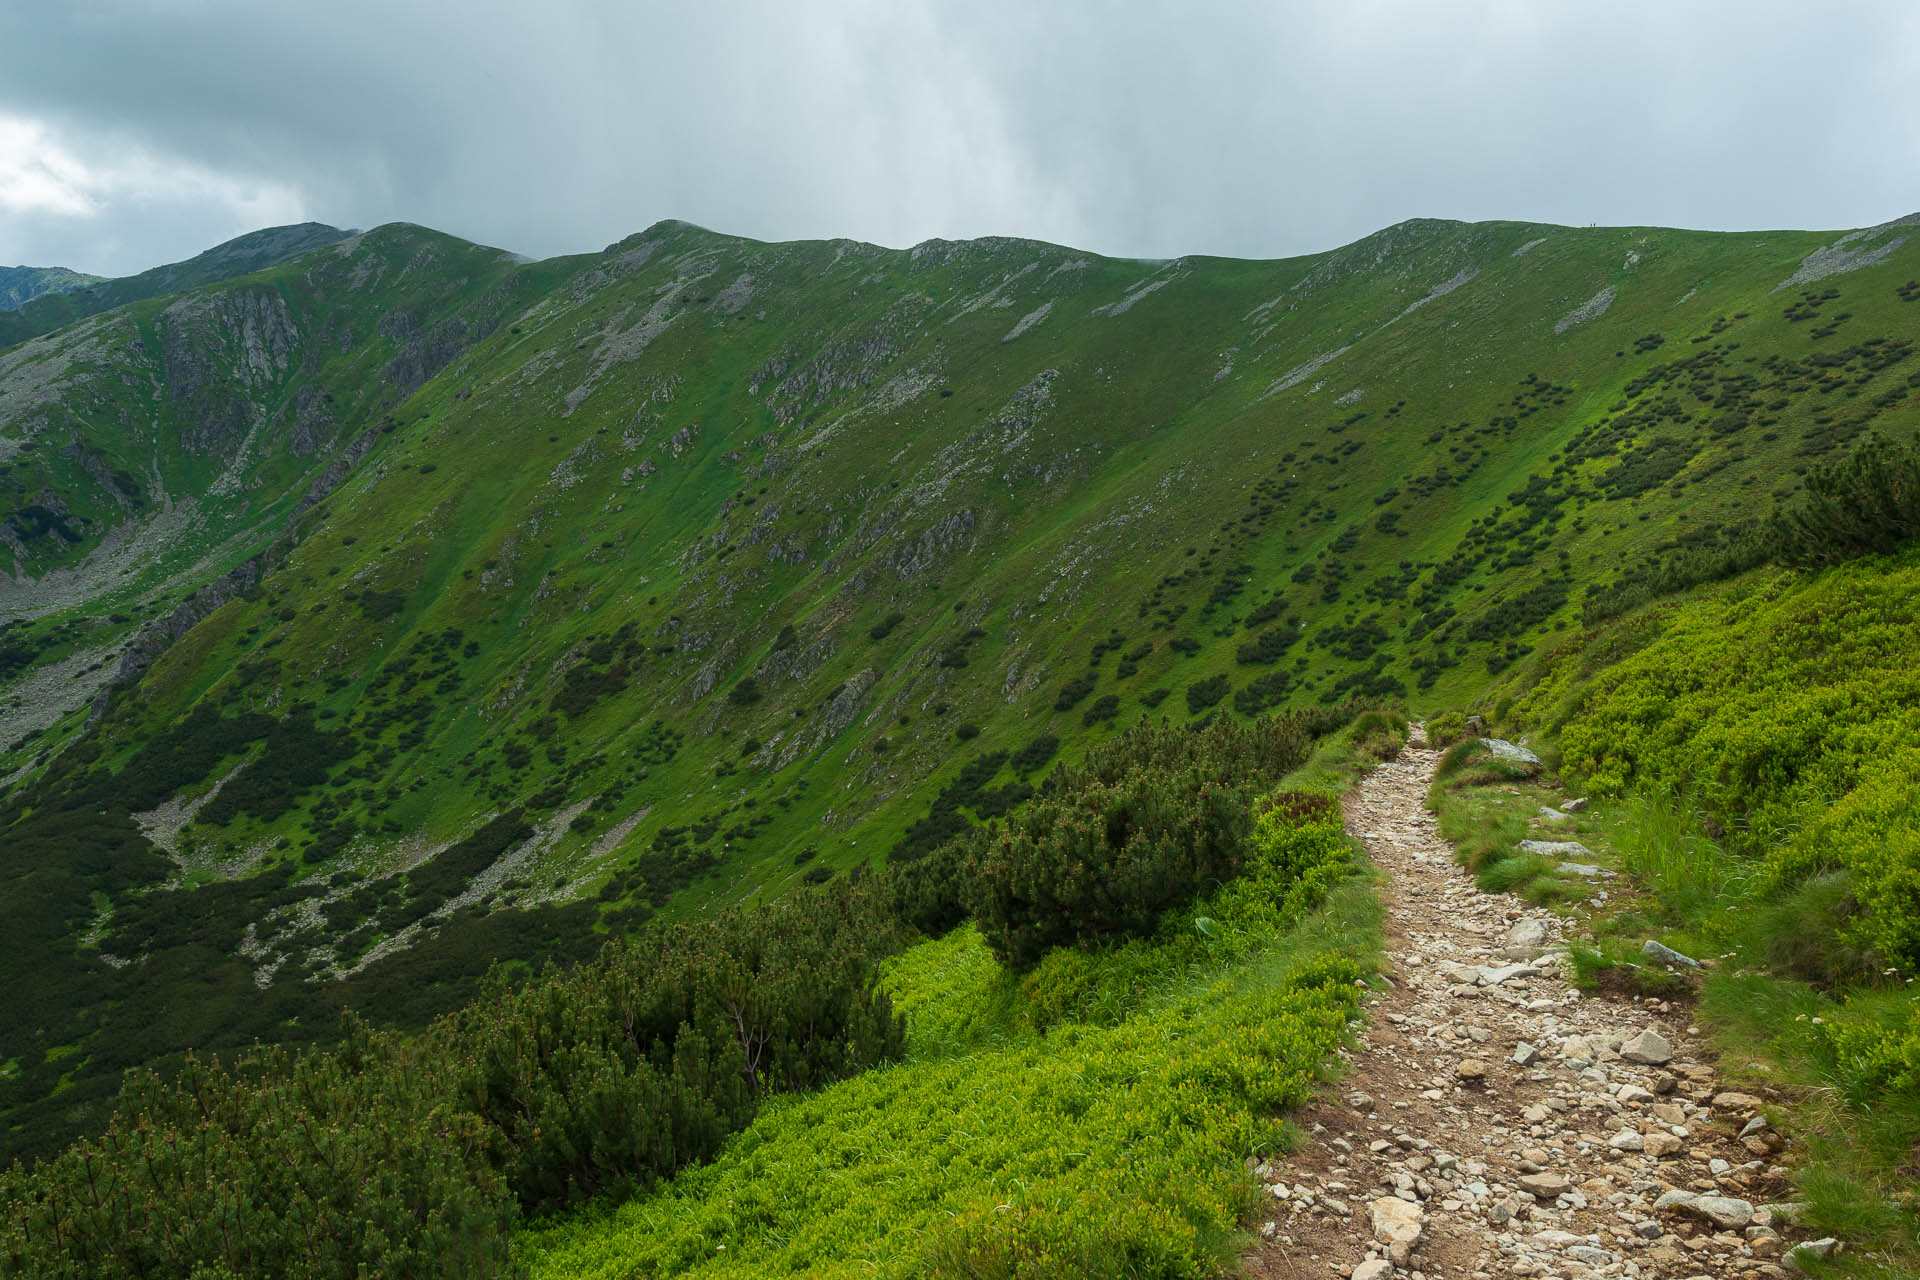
(90, 461)
(423, 351)
(312, 422)
(1864, 248)
(1592, 309)
(251, 252)
(797, 662)
(932, 548)
(156, 638)
(329, 479)
(841, 710)
(218, 352)
(734, 298)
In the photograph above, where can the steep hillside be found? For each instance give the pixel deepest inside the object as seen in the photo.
(701, 568)
(21, 285)
(148, 452)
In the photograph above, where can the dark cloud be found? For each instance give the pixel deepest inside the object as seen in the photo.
(1254, 129)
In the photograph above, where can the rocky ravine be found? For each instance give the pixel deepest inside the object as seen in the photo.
(1496, 1122)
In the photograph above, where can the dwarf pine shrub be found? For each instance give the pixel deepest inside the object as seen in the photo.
(395, 1155)
(1152, 819)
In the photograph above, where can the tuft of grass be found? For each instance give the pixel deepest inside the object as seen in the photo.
(1614, 965)
(1504, 873)
(1661, 842)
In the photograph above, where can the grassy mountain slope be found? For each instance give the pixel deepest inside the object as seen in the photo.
(21, 285)
(146, 452)
(704, 567)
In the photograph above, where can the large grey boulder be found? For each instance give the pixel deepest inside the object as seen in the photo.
(1511, 752)
(1723, 1212)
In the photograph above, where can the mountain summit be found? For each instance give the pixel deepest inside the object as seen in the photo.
(21, 285)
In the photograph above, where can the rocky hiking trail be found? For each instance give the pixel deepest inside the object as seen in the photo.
(1495, 1121)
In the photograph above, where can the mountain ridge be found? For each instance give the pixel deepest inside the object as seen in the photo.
(252, 251)
(22, 284)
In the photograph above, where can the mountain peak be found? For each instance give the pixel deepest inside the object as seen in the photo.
(21, 285)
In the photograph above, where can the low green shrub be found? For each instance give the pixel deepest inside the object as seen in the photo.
(1790, 714)
(1445, 729)
(1152, 819)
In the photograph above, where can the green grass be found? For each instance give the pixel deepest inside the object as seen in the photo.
(1485, 807)
(1091, 1118)
(1660, 841)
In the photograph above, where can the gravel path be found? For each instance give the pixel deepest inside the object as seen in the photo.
(1495, 1122)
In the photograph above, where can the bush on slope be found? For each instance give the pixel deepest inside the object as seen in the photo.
(1089, 1118)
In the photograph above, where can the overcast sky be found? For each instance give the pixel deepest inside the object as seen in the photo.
(134, 132)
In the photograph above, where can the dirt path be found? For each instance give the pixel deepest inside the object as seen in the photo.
(1497, 1123)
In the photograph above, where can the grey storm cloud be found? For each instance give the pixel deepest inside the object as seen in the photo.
(138, 132)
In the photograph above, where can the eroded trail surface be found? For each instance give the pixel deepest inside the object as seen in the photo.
(1496, 1122)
